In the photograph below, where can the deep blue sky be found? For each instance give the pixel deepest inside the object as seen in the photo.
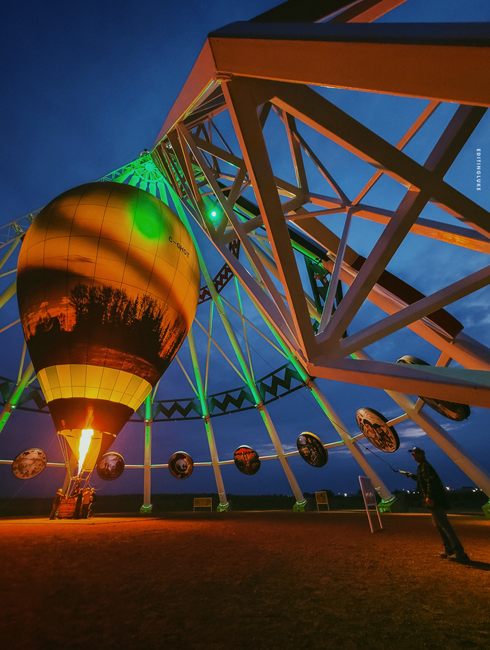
(85, 88)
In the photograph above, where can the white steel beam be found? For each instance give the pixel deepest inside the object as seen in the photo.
(415, 311)
(243, 111)
(452, 384)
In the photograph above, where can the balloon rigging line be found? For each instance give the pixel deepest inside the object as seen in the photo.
(12, 498)
(244, 327)
(240, 335)
(393, 469)
(208, 349)
(255, 328)
(187, 376)
(222, 352)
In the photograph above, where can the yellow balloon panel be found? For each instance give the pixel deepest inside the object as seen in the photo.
(93, 382)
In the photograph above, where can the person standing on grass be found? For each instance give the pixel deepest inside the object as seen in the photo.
(435, 498)
(78, 504)
(92, 502)
(85, 502)
(56, 503)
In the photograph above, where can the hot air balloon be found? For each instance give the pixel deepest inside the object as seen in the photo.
(107, 285)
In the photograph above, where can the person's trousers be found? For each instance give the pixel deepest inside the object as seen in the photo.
(446, 531)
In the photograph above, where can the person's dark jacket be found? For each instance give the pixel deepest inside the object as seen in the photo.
(430, 485)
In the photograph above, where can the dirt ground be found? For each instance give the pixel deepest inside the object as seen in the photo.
(275, 580)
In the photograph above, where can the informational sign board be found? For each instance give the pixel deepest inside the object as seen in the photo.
(321, 499)
(369, 496)
(203, 502)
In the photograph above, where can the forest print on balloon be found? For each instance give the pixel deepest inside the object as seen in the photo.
(103, 324)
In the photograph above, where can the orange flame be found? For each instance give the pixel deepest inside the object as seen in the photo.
(85, 440)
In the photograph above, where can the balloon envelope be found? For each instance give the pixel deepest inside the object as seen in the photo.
(108, 282)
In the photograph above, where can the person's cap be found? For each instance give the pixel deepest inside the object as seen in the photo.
(416, 449)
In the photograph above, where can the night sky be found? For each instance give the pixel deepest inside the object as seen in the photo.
(85, 88)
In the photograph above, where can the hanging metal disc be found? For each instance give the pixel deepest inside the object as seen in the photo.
(373, 425)
(450, 410)
(247, 460)
(29, 464)
(111, 466)
(180, 465)
(311, 449)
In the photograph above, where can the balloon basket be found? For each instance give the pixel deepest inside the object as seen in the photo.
(67, 508)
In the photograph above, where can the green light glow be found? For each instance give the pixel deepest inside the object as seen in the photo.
(148, 221)
(214, 215)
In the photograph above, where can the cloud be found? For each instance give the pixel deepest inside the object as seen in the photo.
(343, 450)
(269, 450)
(412, 431)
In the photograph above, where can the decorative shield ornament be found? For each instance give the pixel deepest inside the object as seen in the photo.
(451, 410)
(29, 464)
(311, 449)
(111, 466)
(373, 425)
(247, 460)
(180, 465)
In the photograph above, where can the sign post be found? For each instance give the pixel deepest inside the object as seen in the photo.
(369, 495)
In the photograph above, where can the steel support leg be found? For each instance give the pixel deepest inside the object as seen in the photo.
(147, 507)
(15, 396)
(352, 446)
(300, 500)
(223, 501)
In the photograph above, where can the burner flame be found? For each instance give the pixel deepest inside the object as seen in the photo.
(85, 440)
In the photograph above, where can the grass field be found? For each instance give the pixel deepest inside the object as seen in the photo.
(275, 580)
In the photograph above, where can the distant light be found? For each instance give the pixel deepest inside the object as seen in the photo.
(345, 494)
